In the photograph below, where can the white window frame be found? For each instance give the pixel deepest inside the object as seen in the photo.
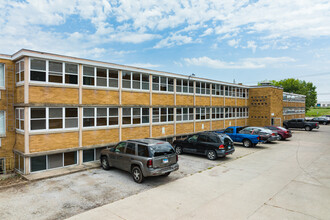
(19, 118)
(95, 117)
(160, 116)
(132, 118)
(47, 120)
(4, 77)
(167, 85)
(4, 123)
(140, 81)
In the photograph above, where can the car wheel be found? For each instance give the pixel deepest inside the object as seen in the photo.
(247, 143)
(137, 174)
(105, 163)
(325, 123)
(281, 137)
(211, 155)
(308, 128)
(178, 150)
(166, 174)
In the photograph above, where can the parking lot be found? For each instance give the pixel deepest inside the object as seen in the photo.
(65, 196)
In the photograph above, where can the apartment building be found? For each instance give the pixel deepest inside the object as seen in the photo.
(58, 111)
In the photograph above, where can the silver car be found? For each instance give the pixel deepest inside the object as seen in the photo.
(143, 157)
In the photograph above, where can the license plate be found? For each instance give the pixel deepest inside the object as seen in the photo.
(229, 147)
(165, 160)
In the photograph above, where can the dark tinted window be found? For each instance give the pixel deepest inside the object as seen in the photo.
(213, 139)
(193, 138)
(162, 148)
(143, 150)
(120, 147)
(229, 130)
(203, 138)
(130, 149)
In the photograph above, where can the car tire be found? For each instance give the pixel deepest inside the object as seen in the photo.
(105, 163)
(178, 149)
(325, 123)
(247, 143)
(211, 155)
(137, 174)
(282, 138)
(308, 128)
(166, 174)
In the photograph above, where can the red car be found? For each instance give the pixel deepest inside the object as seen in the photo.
(282, 132)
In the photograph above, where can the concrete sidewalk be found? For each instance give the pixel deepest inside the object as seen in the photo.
(290, 180)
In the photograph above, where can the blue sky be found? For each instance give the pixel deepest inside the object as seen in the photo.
(245, 41)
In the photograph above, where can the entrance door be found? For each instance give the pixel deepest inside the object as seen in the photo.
(276, 121)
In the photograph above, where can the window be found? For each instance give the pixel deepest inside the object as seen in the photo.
(184, 114)
(55, 74)
(184, 86)
(2, 123)
(88, 75)
(57, 118)
(88, 155)
(2, 75)
(38, 70)
(19, 71)
(100, 117)
(38, 163)
(135, 115)
(19, 116)
(202, 88)
(19, 162)
(130, 148)
(217, 113)
(217, 90)
(202, 113)
(120, 147)
(71, 73)
(162, 83)
(138, 81)
(143, 150)
(70, 158)
(101, 77)
(162, 115)
(113, 78)
(38, 118)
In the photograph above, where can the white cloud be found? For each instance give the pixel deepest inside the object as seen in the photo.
(233, 43)
(252, 45)
(174, 40)
(247, 63)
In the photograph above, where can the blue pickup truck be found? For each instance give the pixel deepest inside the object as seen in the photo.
(248, 140)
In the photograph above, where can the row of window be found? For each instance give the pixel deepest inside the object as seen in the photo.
(2, 123)
(67, 73)
(293, 97)
(2, 75)
(51, 118)
(287, 111)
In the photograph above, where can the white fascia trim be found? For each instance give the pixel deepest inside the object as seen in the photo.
(64, 58)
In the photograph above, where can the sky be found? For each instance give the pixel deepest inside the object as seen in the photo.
(244, 41)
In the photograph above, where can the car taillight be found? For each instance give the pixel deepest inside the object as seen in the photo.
(177, 158)
(273, 134)
(221, 146)
(149, 163)
(316, 124)
(258, 137)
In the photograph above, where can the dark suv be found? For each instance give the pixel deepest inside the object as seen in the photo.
(211, 144)
(143, 157)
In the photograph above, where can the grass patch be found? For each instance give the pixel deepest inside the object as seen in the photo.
(314, 112)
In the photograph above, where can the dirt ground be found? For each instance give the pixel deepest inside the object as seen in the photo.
(12, 179)
(65, 196)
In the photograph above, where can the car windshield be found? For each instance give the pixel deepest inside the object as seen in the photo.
(282, 128)
(161, 149)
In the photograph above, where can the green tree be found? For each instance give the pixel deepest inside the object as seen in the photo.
(299, 87)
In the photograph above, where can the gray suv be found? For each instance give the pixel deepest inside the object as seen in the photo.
(143, 157)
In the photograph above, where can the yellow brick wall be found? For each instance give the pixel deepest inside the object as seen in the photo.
(53, 95)
(217, 101)
(229, 122)
(135, 98)
(46, 142)
(98, 137)
(241, 102)
(157, 130)
(100, 97)
(198, 126)
(184, 128)
(203, 101)
(7, 105)
(187, 100)
(162, 99)
(240, 122)
(20, 143)
(230, 101)
(19, 94)
(135, 133)
(217, 125)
